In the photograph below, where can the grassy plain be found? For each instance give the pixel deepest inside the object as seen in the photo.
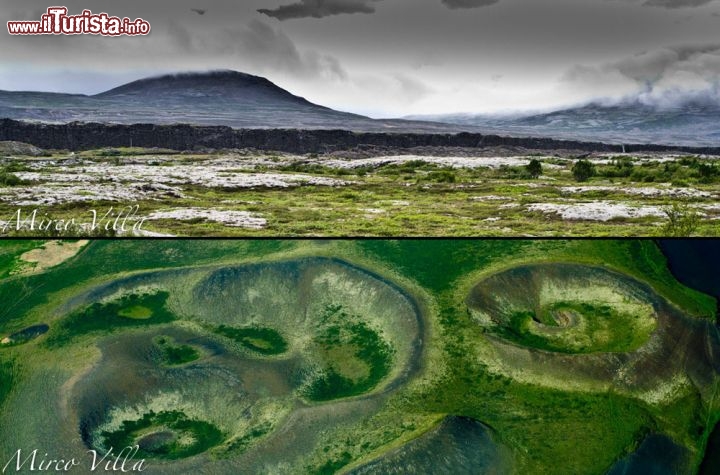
(408, 193)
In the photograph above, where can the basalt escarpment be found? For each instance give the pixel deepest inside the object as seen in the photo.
(86, 136)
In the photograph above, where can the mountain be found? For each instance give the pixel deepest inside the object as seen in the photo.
(210, 85)
(632, 122)
(241, 100)
(210, 98)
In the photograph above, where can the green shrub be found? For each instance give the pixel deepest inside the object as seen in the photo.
(10, 179)
(683, 221)
(583, 170)
(443, 176)
(708, 173)
(109, 152)
(534, 168)
(620, 167)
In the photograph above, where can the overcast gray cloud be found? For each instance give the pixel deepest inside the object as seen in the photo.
(453, 4)
(664, 77)
(407, 57)
(411, 88)
(319, 8)
(260, 47)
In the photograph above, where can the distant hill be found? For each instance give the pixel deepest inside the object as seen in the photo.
(690, 124)
(245, 101)
(225, 84)
(211, 98)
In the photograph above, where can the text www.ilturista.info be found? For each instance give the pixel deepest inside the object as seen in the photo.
(57, 22)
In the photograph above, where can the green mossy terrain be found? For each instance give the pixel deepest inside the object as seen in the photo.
(129, 311)
(356, 357)
(329, 332)
(177, 436)
(10, 253)
(264, 341)
(420, 196)
(607, 329)
(241, 444)
(6, 379)
(564, 308)
(173, 355)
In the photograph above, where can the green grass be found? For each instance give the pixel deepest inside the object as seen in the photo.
(242, 443)
(10, 251)
(108, 317)
(587, 431)
(356, 357)
(333, 465)
(265, 341)
(174, 355)
(136, 312)
(606, 329)
(190, 437)
(7, 376)
(434, 200)
(436, 265)
(103, 258)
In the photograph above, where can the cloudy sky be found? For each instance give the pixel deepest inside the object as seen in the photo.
(393, 57)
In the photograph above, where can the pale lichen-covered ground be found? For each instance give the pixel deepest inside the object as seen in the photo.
(414, 192)
(50, 254)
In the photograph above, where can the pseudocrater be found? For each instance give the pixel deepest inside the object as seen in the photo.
(565, 308)
(354, 331)
(572, 326)
(236, 353)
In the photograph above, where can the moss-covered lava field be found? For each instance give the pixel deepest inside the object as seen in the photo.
(433, 191)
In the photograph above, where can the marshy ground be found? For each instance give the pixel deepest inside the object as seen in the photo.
(369, 192)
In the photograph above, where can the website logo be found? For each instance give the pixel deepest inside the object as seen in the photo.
(57, 22)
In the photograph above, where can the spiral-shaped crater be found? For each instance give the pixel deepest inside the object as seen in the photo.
(566, 308)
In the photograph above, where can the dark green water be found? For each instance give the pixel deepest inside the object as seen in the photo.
(696, 263)
(711, 463)
(29, 333)
(657, 455)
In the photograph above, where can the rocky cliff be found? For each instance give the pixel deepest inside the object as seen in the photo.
(87, 136)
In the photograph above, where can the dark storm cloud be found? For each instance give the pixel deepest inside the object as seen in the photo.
(319, 8)
(676, 3)
(670, 4)
(324, 8)
(454, 4)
